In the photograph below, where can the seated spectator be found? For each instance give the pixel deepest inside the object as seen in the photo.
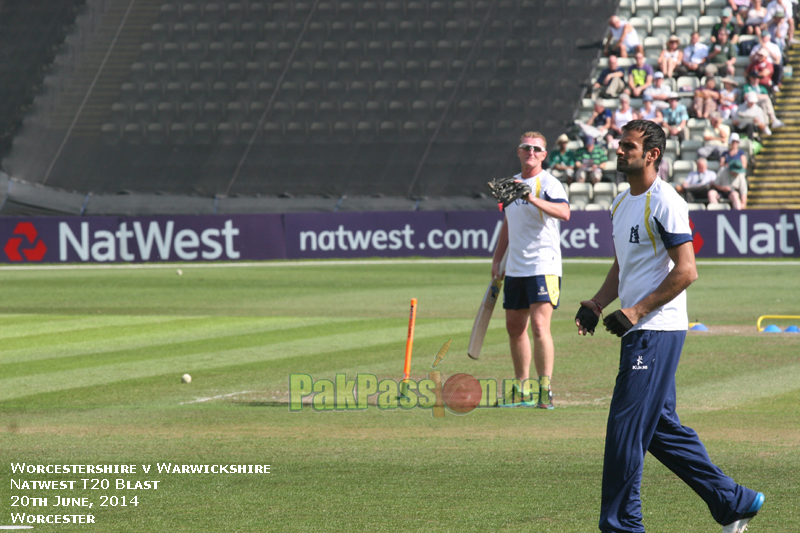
(763, 68)
(698, 183)
(562, 162)
(778, 27)
(715, 138)
(728, 23)
(755, 18)
(659, 91)
(590, 161)
(695, 58)
(740, 9)
(788, 9)
(749, 118)
(640, 76)
(728, 98)
(623, 39)
(764, 100)
(649, 111)
(619, 118)
(675, 118)
(731, 182)
(706, 98)
(774, 56)
(601, 118)
(611, 80)
(722, 56)
(670, 57)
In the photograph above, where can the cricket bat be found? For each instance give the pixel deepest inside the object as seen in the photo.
(485, 313)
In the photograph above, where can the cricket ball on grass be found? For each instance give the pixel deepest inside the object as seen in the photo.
(186, 378)
(462, 393)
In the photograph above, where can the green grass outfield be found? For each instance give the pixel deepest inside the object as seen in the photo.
(91, 359)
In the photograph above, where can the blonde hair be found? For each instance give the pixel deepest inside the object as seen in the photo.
(533, 135)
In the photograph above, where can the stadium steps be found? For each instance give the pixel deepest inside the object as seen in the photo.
(116, 71)
(775, 182)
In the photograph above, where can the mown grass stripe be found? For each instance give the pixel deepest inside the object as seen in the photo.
(81, 377)
(172, 330)
(21, 326)
(169, 348)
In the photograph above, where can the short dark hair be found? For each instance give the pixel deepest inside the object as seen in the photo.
(653, 136)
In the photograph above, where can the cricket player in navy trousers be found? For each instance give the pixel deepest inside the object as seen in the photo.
(654, 265)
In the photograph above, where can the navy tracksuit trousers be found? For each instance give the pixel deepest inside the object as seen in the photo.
(642, 418)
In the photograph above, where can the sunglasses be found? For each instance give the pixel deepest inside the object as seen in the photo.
(529, 147)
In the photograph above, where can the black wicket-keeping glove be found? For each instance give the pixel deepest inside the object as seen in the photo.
(617, 323)
(508, 190)
(587, 318)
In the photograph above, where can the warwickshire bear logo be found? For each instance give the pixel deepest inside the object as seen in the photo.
(29, 245)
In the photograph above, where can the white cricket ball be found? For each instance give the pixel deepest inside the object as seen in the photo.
(180, 272)
(186, 378)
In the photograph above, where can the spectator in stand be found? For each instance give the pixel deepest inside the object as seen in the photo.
(695, 58)
(722, 56)
(649, 111)
(749, 118)
(755, 18)
(619, 118)
(728, 98)
(659, 91)
(562, 161)
(764, 100)
(706, 98)
(733, 163)
(715, 138)
(623, 39)
(601, 118)
(740, 8)
(670, 57)
(788, 9)
(773, 55)
(675, 118)
(761, 67)
(728, 23)
(778, 27)
(611, 80)
(640, 76)
(697, 184)
(590, 161)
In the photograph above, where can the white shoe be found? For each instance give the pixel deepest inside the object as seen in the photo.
(767, 131)
(777, 123)
(740, 526)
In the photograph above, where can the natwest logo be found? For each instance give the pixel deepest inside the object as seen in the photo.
(140, 242)
(28, 244)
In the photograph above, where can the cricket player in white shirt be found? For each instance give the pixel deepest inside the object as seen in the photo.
(531, 233)
(654, 265)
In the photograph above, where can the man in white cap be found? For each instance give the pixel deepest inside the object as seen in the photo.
(731, 182)
(749, 117)
(659, 91)
(675, 118)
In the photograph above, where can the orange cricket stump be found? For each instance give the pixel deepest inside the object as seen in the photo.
(412, 319)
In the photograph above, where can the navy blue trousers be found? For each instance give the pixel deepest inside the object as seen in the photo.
(642, 419)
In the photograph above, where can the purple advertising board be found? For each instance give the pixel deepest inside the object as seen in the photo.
(732, 234)
(141, 239)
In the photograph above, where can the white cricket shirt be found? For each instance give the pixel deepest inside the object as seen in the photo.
(534, 237)
(644, 226)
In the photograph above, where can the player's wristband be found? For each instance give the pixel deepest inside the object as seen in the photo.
(600, 307)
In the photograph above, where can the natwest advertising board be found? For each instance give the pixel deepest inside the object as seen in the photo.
(141, 239)
(732, 234)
